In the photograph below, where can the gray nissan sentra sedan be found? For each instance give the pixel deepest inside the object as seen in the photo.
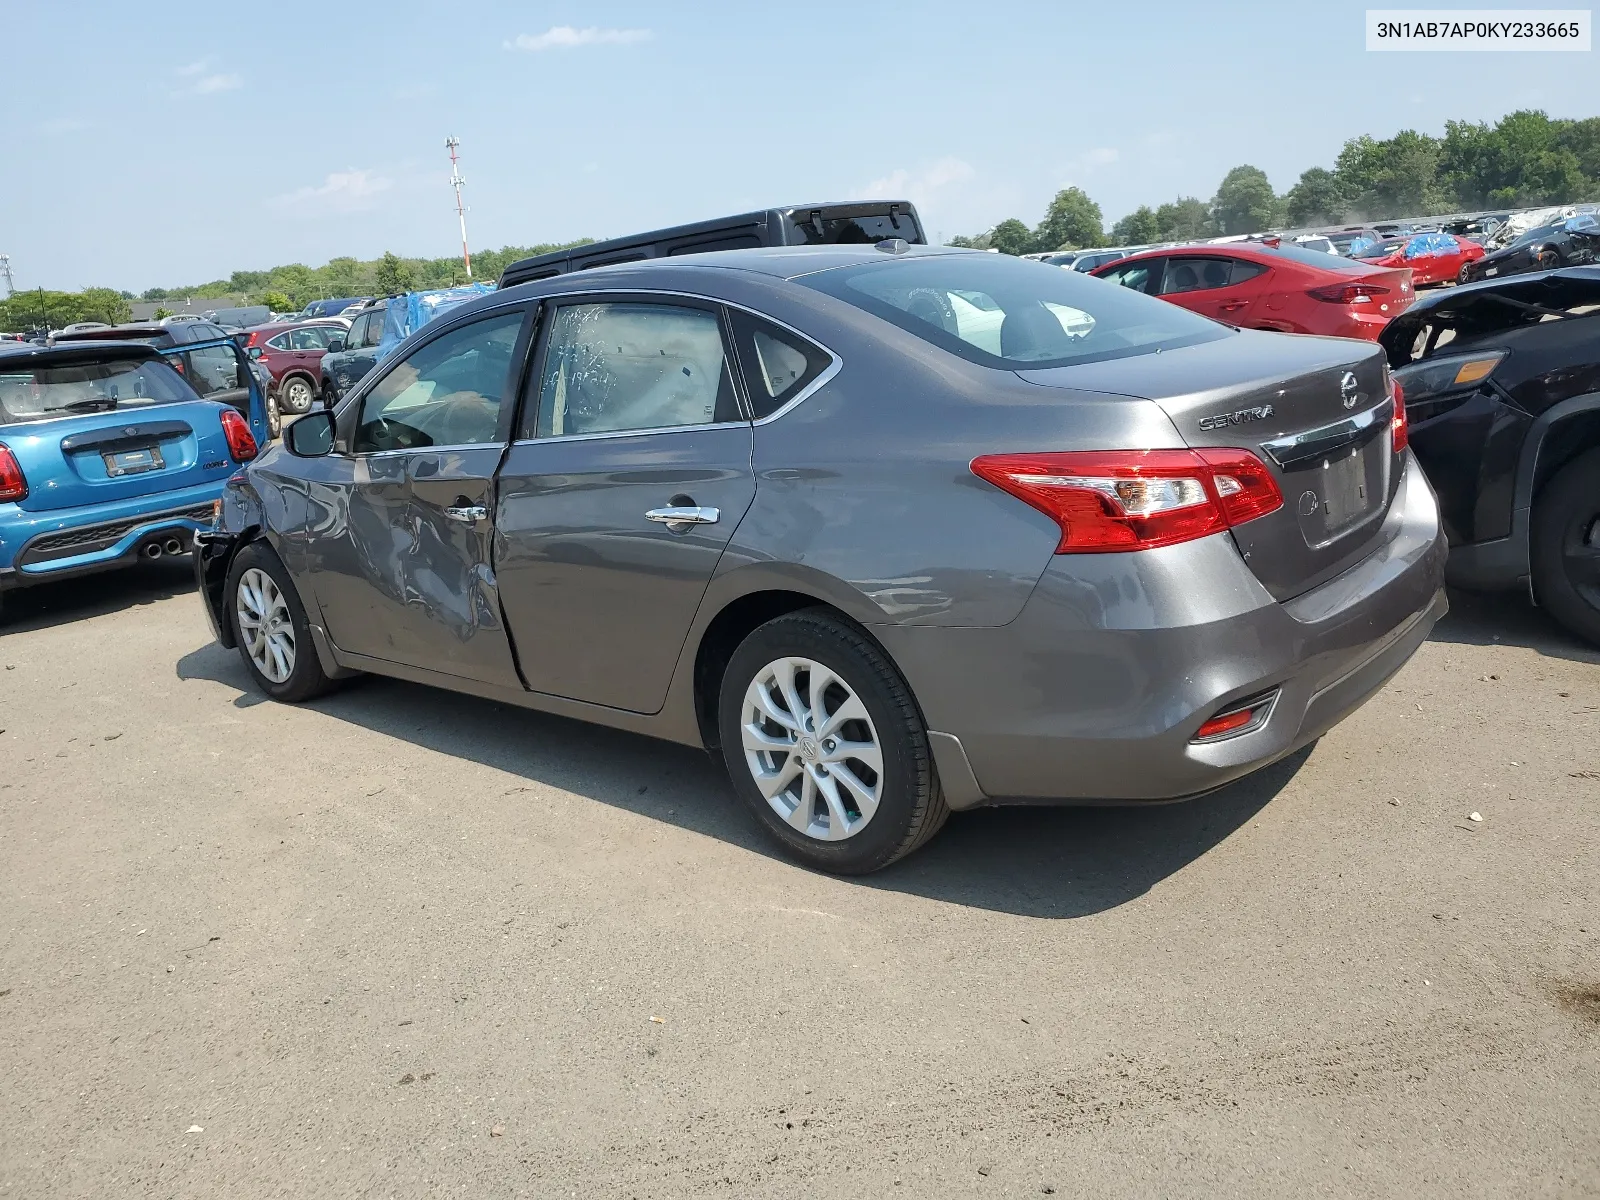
(896, 530)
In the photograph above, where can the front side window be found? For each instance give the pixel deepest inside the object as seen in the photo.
(1021, 317)
(620, 366)
(1134, 275)
(448, 392)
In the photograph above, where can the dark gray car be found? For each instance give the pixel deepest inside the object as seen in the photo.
(896, 530)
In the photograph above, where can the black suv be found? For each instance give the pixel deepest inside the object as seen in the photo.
(858, 223)
(1502, 392)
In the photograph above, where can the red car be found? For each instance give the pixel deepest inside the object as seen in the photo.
(292, 352)
(1432, 257)
(1257, 286)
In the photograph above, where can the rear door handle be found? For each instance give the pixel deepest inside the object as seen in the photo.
(678, 519)
(467, 514)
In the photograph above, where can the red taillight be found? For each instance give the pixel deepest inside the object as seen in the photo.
(1349, 293)
(1401, 426)
(12, 484)
(1108, 500)
(241, 442)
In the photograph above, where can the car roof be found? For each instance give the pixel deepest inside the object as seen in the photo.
(783, 262)
(278, 326)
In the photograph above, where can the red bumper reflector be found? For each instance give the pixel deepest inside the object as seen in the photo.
(1226, 723)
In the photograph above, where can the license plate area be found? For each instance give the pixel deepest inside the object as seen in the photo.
(1343, 490)
(133, 462)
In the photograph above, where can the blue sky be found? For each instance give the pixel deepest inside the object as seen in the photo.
(148, 148)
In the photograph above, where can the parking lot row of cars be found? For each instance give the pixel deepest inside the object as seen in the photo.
(844, 598)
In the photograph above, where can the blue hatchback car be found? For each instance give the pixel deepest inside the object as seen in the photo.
(109, 455)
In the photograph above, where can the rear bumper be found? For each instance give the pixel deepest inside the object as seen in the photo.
(1095, 692)
(58, 544)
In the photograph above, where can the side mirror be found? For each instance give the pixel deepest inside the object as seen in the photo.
(335, 345)
(312, 435)
(255, 351)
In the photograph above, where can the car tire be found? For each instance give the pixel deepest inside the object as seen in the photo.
(1547, 259)
(820, 796)
(274, 418)
(1565, 546)
(330, 395)
(270, 627)
(296, 394)
(1464, 275)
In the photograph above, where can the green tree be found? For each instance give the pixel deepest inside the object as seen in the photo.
(393, 275)
(1138, 228)
(1582, 138)
(1011, 236)
(161, 314)
(247, 281)
(277, 301)
(1398, 177)
(156, 293)
(104, 304)
(1317, 199)
(296, 281)
(1184, 220)
(1072, 222)
(1245, 202)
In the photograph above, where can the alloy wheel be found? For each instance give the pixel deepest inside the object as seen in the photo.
(265, 625)
(297, 396)
(812, 748)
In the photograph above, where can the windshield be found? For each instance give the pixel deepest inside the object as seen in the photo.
(1000, 311)
(61, 389)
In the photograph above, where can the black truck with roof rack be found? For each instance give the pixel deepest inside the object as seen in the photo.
(862, 222)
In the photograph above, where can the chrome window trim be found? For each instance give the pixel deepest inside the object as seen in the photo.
(1325, 439)
(835, 365)
(366, 454)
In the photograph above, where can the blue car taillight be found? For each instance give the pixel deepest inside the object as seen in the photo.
(13, 485)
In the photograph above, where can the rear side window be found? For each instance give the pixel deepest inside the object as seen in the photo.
(777, 365)
(1002, 312)
(623, 366)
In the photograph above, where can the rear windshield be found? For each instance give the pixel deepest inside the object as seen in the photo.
(1004, 312)
(58, 390)
(854, 230)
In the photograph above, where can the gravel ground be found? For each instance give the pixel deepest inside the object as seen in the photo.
(406, 943)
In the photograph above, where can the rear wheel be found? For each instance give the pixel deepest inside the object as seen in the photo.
(270, 627)
(274, 417)
(296, 393)
(1465, 274)
(1565, 549)
(825, 745)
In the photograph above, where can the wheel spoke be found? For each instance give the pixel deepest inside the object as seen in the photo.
(773, 782)
(800, 818)
(1582, 565)
(851, 710)
(866, 798)
(838, 819)
(763, 702)
(819, 679)
(861, 752)
(791, 694)
(757, 738)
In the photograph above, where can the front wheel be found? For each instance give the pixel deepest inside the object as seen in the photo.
(1565, 549)
(270, 627)
(825, 745)
(274, 418)
(297, 394)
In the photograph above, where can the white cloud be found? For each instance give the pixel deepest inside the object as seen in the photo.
(918, 186)
(565, 37)
(200, 79)
(217, 83)
(350, 191)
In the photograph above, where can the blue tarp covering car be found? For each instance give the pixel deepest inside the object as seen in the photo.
(409, 313)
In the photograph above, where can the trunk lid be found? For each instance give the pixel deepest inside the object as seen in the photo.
(100, 457)
(1315, 410)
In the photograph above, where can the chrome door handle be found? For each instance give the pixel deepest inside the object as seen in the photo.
(467, 514)
(679, 519)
